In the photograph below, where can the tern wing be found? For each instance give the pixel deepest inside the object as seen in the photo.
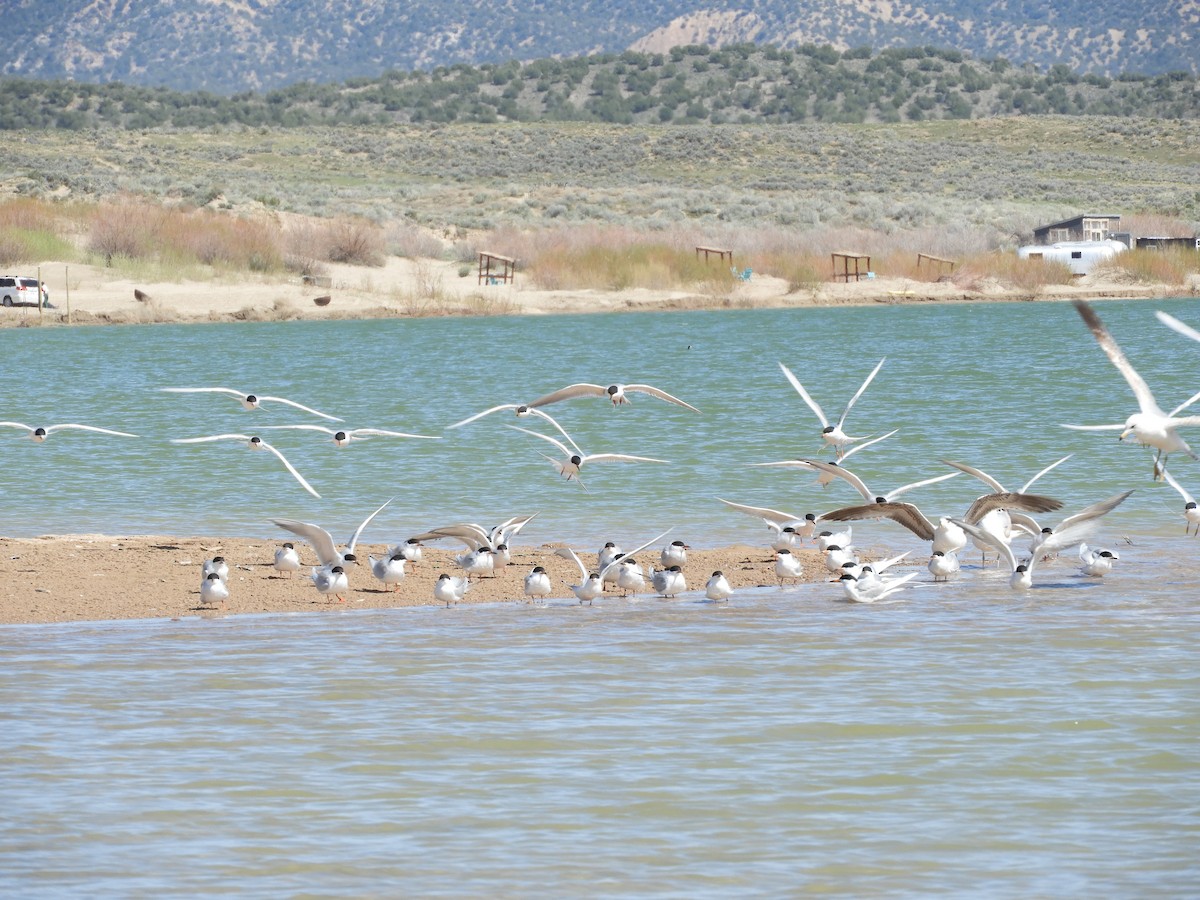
(1093, 512)
(283, 459)
(905, 514)
(834, 469)
(1145, 399)
(1010, 500)
(892, 495)
(215, 437)
(570, 392)
(296, 428)
(859, 393)
(385, 433)
(1187, 498)
(977, 473)
(486, 412)
(54, 428)
(549, 418)
(365, 522)
(469, 533)
(318, 537)
(660, 394)
(770, 515)
(619, 457)
(17, 425)
(865, 444)
(568, 553)
(1118, 427)
(1025, 488)
(307, 409)
(812, 404)
(638, 549)
(555, 441)
(986, 537)
(206, 390)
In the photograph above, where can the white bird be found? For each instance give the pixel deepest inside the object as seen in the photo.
(537, 584)
(943, 564)
(1191, 512)
(522, 411)
(668, 582)
(342, 438)
(450, 590)
(322, 542)
(787, 565)
(836, 557)
(590, 584)
(855, 590)
(215, 565)
(575, 458)
(717, 587)
(832, 434)
(827, 539)
(388, 569)
(412, 550)
(630, 578)
(824, 477)
(213, 589)
(331, 580)
(475, 536)
(250, 401)
(1075, 528)
(39, 433)
(674, 554)
(607, 554)
(1096, 563)
(479, 562)
(839, 471)
(254, 443)
(287, 559)
(1149, 425)
(870, 576)
(618, 393)
(802, 527)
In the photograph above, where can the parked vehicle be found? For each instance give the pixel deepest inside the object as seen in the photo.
(17, 290)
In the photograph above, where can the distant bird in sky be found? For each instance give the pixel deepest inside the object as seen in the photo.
(1149, 425)
(250, 401)
(833, 435)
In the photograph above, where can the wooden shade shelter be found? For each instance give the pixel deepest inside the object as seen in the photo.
(496, 269)
(861, 266)
(924, 260)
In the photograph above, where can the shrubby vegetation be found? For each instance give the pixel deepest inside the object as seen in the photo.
(740, 83)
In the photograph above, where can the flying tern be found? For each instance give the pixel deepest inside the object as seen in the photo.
(575, 458)
(254, 442)
(832, 434)
(39, 433)
(322, 541)
(617, 393)
(250, 401)
(342, 438)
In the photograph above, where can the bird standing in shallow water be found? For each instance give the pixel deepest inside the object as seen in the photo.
(537, 584)
(942, 564)
(450, 590)
(787, 565)
(717, 587)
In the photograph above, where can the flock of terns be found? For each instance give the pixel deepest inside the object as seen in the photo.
(1000, 521)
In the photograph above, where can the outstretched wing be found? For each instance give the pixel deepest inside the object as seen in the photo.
(54, 428)
(1145, 399)
(835, 469)
(1187, 498)
(365, 522)
(859, 393)
(555, 441)
(318, 537)
(570, 392)
(660, 394)
(283, 459)
(782, 519)
(812, 404)
(619, 457)
(307, 409)
(1034, 503)
(486, 412)
(901, 513)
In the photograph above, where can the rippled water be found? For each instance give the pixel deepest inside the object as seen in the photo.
(965, 741)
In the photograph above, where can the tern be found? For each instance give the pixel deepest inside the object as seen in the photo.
(608, 553)
(855, 590)
(478, 562)
(617, 393)
(250, 401)
(832, 434)
(629, 576)
(787, 565)
(213, 589)
(668, 582)
(475, 536)
(254, 443)
(943, 564)
(838, 471)
(39, 433)
(217, 566)
(287, 559)
(825, 477)
(674, 554)
(522, 411)
(575, 458)
(331, 580)
(717, 587)
(412, 550)
(388, 569)
(1073, 529)
(537, 584)
(450, 590)
(1191, 513)
(590, 585)
(322, 541)
(1096, 563)
(342, 438)
(1149, 425)
(802, 527)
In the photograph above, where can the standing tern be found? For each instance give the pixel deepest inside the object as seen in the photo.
(213, 589)
(537, 584)
(250, 401)
(254, 443)
(388, 569)
(1149, 425)
(832, 434)
(450, 590)
(717, 587)
(331, 580)
(287, 559)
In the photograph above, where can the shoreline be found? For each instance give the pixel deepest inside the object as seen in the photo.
(423, 288)
(91, 578)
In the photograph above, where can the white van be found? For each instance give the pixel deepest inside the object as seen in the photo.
(16, 290)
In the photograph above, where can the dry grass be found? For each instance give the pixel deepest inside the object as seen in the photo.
(1171, 267)
(1008, 270)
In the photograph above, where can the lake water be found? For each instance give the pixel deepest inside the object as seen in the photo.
(963, 741)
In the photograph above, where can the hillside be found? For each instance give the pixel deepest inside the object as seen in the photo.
(227, 46)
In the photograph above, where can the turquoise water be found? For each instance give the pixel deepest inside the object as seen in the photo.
(965, 741)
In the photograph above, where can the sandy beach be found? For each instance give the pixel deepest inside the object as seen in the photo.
(71, 578)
